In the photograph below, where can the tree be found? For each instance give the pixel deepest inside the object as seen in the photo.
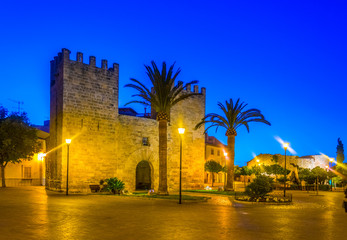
(18, 140)
(340, 157)
(307, 175)
(245, 171)
(213, 167)
(320, 174)
(163, 96)
(256, 170)
(237, 172)
(234, 116)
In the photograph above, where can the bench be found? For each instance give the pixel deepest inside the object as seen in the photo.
(94, 188)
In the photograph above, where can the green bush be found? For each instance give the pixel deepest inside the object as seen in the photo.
(261, 186)
(114, 185)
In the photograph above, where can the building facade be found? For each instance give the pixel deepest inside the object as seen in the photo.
(215, 151)
(84, 108)
(28, 172)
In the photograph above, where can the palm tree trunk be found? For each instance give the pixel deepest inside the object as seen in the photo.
(230, 162)
(3, 176)
(163, 157)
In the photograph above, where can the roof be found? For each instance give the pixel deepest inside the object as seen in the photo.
(127, 111)
(210, 140)
(44, 128)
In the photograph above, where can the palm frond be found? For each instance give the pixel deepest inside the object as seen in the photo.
(234, 115)
(165, 94)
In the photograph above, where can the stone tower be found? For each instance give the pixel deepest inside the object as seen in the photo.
(84, 108)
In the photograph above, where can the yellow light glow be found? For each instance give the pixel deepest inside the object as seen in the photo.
(181, 130)
(285, 145)
(258, 160)
(225, 153)
(68, 141)
(331, 159)
(326, 167)
(40, 156)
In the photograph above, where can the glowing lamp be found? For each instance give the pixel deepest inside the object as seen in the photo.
(225, 153)
(181, 130)
(285, 145)
(68, 141)
(257, 160)
(326, 167)
(40, 156)
(331, 159)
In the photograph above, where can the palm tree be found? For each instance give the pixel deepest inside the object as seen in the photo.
(163, 95)
(233, 117)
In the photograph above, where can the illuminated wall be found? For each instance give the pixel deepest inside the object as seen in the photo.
(84, 107)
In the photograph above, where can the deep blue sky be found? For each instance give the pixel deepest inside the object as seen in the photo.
(287, 58)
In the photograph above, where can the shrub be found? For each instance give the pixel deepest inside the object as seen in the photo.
(261, 186)
(114, 185)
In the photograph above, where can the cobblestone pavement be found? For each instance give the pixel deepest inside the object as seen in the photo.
(30, 213)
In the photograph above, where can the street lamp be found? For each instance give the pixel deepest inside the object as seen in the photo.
(285, 146)
(331, 160)
(68, 141)
(41, 156)
(181, 132)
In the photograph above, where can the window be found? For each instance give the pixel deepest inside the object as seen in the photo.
(212, 151)
(218, 153)
(27, 172)
(145, 141)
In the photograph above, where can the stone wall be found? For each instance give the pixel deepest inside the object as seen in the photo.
(304, 162)
(84, 108)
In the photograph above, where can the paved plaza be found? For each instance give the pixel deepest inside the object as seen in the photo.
(33, 213)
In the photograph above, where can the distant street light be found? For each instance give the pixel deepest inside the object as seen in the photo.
(68, 141)
(181, 132)
(285, 146)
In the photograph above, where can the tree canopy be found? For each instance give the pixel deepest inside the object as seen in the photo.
(164, 94)
(213, 167)
(340, 157)
(18, 140)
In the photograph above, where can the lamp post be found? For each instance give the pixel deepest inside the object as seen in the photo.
(331, 160)
(41, 156)
(285, 146)
(181, 132)
(68, 141)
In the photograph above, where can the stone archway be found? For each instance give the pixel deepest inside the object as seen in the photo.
(143, 176)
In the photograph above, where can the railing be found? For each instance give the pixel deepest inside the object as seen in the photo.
(19, 182)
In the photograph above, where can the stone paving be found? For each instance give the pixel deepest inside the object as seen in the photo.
(31, 213)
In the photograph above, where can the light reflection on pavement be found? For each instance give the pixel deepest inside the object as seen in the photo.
(29, 213)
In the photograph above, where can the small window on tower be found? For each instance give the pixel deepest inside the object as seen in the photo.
(212, 151)
(218, 153)
(145, 141)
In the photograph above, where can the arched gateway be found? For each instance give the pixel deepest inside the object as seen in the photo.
(143, 175)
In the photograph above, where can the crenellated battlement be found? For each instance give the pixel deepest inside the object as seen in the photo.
(64, 56)
(196, 89)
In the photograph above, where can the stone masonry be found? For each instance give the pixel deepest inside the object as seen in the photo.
(84, 107)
